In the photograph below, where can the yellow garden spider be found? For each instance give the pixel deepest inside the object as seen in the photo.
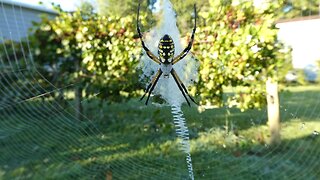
(166, 60)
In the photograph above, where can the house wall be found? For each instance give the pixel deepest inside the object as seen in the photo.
(303, 35)
(16, 19)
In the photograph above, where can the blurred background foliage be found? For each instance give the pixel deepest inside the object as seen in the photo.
(97, 53)
(14, 58)
(298, 8)
(237, 47)
(97, 50)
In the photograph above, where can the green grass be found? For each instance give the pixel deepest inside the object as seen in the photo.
(42, 140)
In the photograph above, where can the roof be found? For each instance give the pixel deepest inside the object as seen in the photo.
(302, 18)
(28, 6)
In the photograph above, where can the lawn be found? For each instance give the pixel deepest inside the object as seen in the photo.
(43, 140)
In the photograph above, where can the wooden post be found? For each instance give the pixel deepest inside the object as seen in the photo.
(109, 175)
(273, 111)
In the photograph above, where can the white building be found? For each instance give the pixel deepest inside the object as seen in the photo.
(303, 36)
(16, 18)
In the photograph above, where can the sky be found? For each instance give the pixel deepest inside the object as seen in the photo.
(67, 5)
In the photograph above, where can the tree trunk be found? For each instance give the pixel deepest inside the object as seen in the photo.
(78, 94)
(273, 111)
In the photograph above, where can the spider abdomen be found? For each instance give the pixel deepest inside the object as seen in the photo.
(166, 49)
(166, 69)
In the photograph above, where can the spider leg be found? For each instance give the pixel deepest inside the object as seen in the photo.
(179, 85)
(149, 53)
(187, 49)
(146, 91)
(174, 74)
(151, 85)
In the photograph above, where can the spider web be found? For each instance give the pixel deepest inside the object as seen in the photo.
(43, 139)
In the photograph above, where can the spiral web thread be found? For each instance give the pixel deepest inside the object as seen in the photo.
(183, 134)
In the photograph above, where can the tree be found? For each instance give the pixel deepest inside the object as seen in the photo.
(95, 54)
(237, 47)
(184, 11)
(183, 8)
(298, 8)
(120, 8)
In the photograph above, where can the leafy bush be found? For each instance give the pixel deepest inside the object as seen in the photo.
(237, 46)
(96, 53)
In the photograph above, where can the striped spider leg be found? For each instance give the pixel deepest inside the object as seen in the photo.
(151, 85)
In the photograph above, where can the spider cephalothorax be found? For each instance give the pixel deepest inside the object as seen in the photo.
(166, 60)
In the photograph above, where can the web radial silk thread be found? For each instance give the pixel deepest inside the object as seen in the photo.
(183, 135)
